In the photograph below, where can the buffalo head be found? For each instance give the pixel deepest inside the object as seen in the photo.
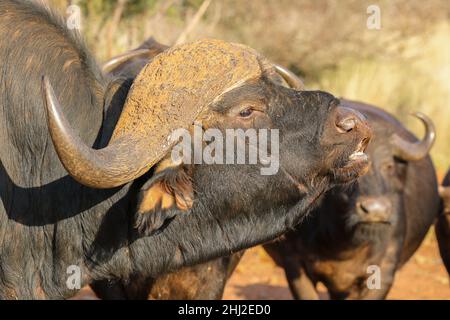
(213, 84)
(377, 200)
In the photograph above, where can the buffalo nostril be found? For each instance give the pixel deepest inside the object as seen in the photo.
(346, 125)
(374, 206)
(363, 207)
(346, 120)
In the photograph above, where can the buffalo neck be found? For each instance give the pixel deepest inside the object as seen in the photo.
(189, 239)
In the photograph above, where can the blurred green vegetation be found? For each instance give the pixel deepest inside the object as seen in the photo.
(403, 67)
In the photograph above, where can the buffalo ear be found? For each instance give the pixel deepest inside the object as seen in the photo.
(167, 194)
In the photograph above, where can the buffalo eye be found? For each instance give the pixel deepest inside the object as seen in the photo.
(389, 167)
(246, 112)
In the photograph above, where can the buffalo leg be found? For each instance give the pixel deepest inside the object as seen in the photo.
(388, 267)
(301, 286)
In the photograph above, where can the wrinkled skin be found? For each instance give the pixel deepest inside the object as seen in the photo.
(442, 226)
(380, 220)
(49, 222)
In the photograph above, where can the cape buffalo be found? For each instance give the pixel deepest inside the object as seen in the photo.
(443, 222)
(360, 235)
(88, 187)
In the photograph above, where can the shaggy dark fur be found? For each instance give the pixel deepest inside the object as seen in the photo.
(204, 281)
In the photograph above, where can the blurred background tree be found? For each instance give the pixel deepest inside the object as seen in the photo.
(403, 67)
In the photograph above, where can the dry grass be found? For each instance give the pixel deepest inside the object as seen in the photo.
(403, 67)
(416, 80)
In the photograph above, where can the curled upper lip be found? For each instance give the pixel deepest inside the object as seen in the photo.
(356, 165)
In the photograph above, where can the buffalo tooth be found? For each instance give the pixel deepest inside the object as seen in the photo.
(358, 155)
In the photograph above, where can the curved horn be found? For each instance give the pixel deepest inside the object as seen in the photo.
(292, 80)
(114, 62)
(110, 167)
(165, 96)
(413, 151)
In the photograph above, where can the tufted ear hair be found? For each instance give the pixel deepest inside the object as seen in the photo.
(167, 194)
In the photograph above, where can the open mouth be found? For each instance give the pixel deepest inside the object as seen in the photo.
(359, 154)
(356, 165)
